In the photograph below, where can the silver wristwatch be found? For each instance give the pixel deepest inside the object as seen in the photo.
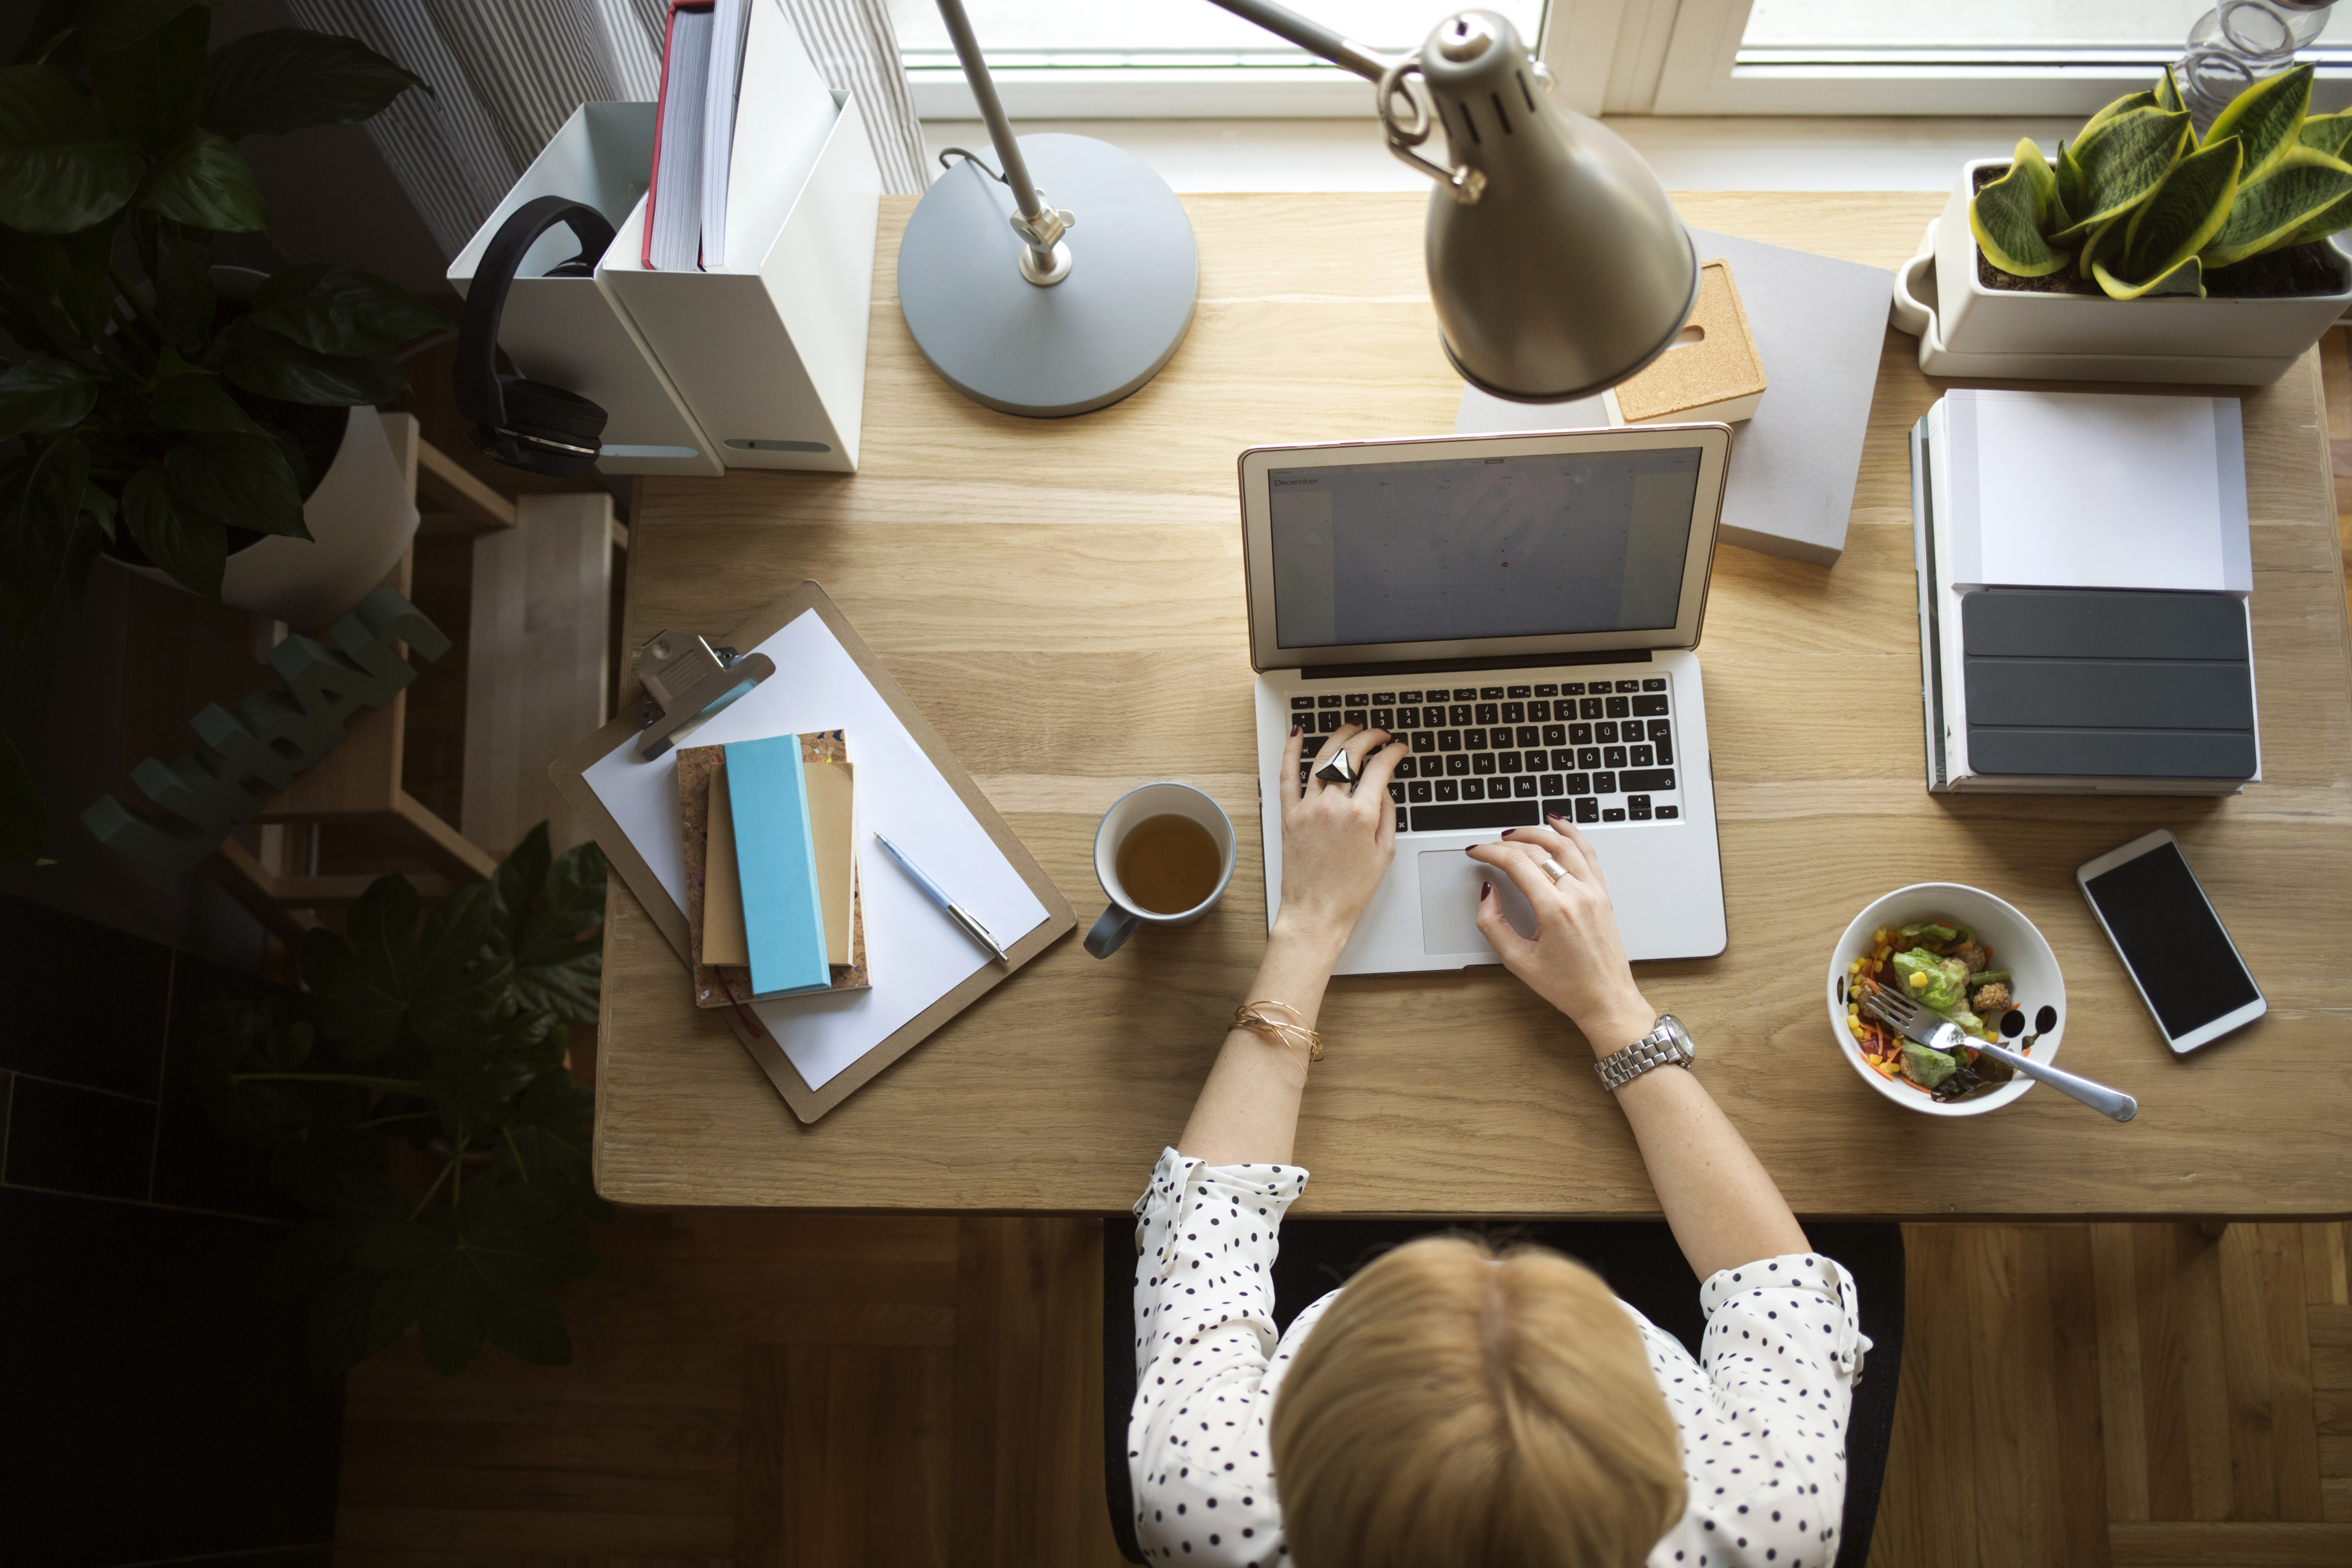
(1667, 1045)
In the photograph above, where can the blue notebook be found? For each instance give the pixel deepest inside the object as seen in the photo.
(783, 923)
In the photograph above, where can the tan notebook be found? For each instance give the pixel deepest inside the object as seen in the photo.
(714, 896)
(723, 941)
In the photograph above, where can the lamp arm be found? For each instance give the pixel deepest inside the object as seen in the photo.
(984, 93)
(1311, 35)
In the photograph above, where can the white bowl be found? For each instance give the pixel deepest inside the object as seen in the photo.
(2016, 946)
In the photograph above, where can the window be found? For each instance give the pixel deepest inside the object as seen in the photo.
(1883, 57)
(1160, 58)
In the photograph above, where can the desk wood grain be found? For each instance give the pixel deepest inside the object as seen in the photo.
(1064, 601)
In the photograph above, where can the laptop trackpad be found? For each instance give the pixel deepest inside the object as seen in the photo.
(1449, 902)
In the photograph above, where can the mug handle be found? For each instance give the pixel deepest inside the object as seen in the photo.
(1113, 929)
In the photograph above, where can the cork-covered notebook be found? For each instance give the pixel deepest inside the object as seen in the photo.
(722, 977)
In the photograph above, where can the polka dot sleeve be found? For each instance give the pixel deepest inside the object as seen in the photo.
(1764, 1426)
(1205, 1354)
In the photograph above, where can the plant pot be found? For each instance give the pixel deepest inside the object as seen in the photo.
(361, 516)
(1968, 330)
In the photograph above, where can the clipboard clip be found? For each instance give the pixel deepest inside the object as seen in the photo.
(685, 681)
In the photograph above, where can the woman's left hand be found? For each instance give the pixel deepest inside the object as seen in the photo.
(1335, 844)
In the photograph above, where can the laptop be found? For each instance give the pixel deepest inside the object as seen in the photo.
(1525, 611)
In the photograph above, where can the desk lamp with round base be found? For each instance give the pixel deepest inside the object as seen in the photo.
(1556, 265)
(1012, 313)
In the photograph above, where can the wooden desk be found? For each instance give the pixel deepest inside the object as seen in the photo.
(1064, 600)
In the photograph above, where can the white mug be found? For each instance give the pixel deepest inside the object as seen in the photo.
(1146, 801)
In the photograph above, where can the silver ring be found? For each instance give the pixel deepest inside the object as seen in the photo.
(1552, 868)
(1340, 768)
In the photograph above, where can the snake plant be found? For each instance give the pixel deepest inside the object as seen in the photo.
(2140, 205)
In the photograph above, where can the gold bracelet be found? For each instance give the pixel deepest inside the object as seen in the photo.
(1292, 1032)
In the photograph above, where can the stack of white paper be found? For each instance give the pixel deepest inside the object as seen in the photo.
(2071, 490)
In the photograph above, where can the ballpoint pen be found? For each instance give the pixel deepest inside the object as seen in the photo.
(938, 895)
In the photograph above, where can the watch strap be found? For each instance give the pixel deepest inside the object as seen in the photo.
(1655, 1049)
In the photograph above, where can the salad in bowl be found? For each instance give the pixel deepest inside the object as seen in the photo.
(1966, 958)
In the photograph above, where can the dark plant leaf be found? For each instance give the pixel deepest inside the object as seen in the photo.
(153, 88)
(259, 360)
(68, 31)
(471, 1080)
(197, 402)
(550, 920)
(316, 1261)
(551, 1138)
(484, 1268)
(183, 287)
(441, 983)
(344, 1329)
(63, 278)
(267, 83)
(24, 820)
(242, 481)
(238, 1038)
(88, 542)
(40, 500)
(331, 1163)
(44, 395)
(331, 309)
(193, 549)
(204, 181)
(62, 166)
(66, 274)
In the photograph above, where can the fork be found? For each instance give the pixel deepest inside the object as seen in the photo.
(1916, 1022)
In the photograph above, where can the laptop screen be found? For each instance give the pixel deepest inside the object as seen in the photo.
(1453, 549)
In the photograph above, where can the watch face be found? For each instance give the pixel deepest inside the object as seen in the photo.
(1680, 1036)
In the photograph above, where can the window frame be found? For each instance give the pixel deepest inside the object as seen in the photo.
(1218, 84)
(1682, 58)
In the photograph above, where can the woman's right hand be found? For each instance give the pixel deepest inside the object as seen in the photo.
(1576, 961)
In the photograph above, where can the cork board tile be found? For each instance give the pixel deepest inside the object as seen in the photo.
(1723, 365)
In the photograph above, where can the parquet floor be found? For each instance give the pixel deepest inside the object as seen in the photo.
(764, 1389)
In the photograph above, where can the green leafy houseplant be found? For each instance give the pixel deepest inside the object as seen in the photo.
(2140, 206)
(151, 419)
(446, 1033)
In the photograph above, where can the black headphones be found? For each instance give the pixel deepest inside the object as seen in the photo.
(526, 425)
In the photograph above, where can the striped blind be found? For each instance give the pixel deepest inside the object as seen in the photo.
(507, 74)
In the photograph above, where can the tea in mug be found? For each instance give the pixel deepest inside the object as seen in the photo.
(1169, 863)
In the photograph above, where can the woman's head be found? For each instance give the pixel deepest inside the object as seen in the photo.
(1458, 1405)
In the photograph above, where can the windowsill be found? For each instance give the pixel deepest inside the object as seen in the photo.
(1762, 152)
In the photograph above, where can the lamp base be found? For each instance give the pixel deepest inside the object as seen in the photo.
(1073, 346)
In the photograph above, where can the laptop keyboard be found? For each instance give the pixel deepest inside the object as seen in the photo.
(1594, 751)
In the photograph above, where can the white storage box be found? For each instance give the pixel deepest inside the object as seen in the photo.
(568, 331)
(769, 352)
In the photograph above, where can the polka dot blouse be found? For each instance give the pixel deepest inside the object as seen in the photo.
(1762, 1412)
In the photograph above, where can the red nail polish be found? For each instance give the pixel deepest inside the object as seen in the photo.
(1509, 831)
(1556, 816)
(1294, 728)
(1466, 848)
(1485, 892)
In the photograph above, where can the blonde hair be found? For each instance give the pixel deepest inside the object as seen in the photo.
(1458, 1406)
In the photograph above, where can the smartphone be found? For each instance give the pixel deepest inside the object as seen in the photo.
(2172, 943)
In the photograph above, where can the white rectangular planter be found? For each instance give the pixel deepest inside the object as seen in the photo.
(1968, 330)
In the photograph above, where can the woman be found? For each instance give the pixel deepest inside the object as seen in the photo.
(1451, 1405)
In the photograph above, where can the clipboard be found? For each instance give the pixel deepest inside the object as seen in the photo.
(568, 773)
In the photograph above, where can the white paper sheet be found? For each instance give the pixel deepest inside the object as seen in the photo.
(2072, 489)
(915, 954)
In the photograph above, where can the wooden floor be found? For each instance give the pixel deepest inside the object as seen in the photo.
(775, 1388)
